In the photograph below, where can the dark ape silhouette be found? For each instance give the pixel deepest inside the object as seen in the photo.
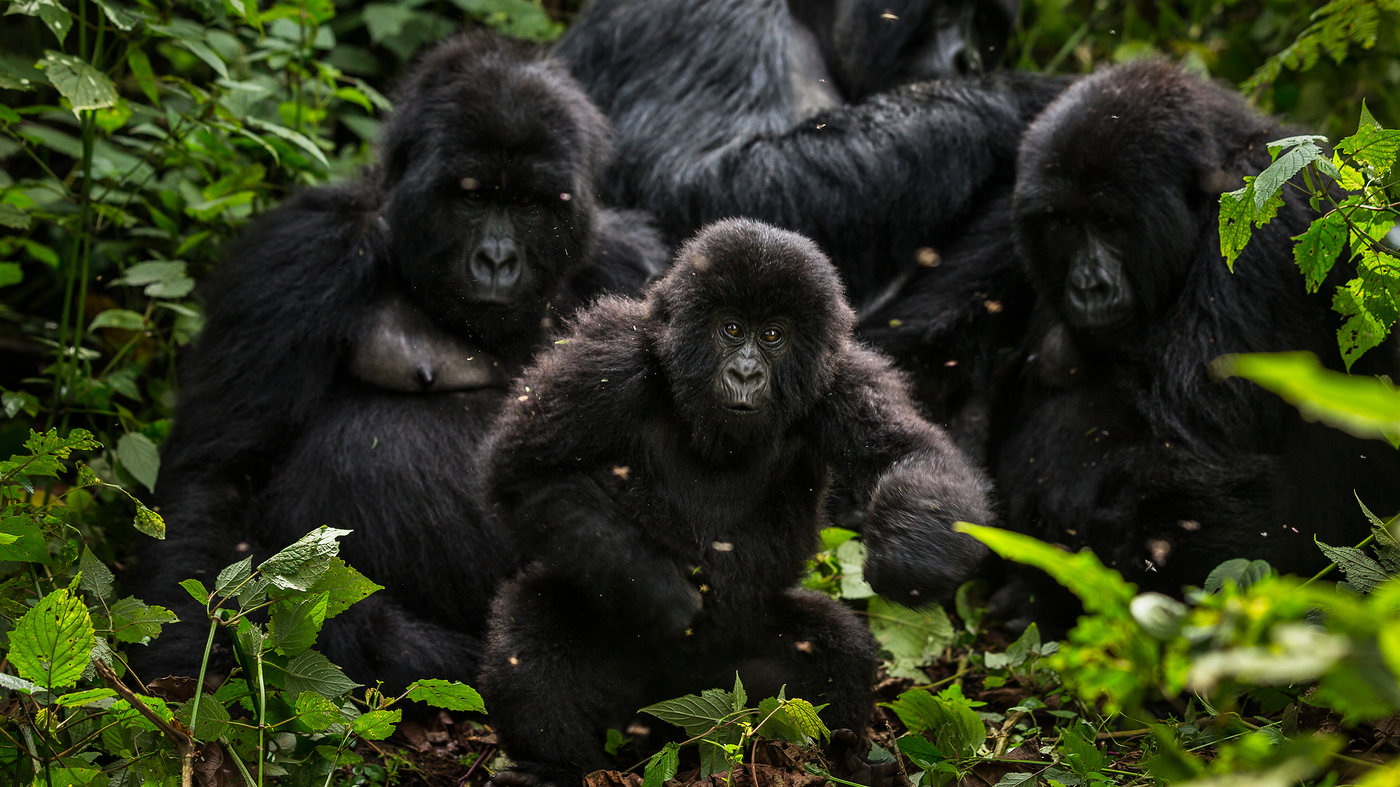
(1118, 438)
(361, 338)
(666, 470)
(801, 113)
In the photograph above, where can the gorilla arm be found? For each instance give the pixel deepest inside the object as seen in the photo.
(550, 461)
(913, 482)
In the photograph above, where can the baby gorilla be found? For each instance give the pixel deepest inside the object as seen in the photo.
(665, 469)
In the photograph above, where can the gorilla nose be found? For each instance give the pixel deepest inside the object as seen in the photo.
(746, 372)
(967, 61)
(496, 266)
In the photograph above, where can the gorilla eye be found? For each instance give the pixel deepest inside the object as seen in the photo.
(771, 336)
(733, 331)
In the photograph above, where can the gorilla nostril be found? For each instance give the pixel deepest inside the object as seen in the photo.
(967, 61)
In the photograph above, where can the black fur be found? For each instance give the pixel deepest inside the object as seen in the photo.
(668, 533)
(1119, 439)
(286, 422)
(715, 118)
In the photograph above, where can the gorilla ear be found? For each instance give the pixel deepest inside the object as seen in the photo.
(1219, 181)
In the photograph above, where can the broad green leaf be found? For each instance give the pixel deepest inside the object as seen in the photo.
(14, 218)
(1236, 212)
(149, 522)
(140, 66)
(232, 577)
(58, 19)
(23, 540)
(97, 578)
(695, 713)
(134, 620)
(120, 16)
(774, 723)
(316, 711)
(213, 722)
(291, 136)
(310, 671)
(345, 585)
(662, 766)
(948, 716)
(10, 274)
(384, 20)
(1099, 588)
(1363, 406)
(124, 319)
(50, 644)
(296, 622)
(917, 748)
(1304, 150)
(446, 694)
(804, 717)
(376, 725)
(140, 457)
(299, 566)
(1372, 144)
(851, 557)
(161, 278)
(84, 86)
(1243, 571)
(1319, 247)
(1361, 572)
(912, 637)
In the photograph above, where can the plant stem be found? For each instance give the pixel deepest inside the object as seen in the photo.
(203, 665)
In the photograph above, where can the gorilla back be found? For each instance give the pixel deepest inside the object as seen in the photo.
(359, 342)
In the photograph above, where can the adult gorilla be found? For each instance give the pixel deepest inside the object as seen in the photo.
(790, 111)
(1119, 439)
(359, 342)
(667, 546)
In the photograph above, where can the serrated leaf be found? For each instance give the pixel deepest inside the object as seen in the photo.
(213, 722)
(662, 766)
(296, 622)
(50, 644)
(695, 713)
(1319, 247)
(948, 716)
(58, 19)
(1236, 212)
(233, 576)
(84, 86)
(345, 585)
(773, 722)
(1271, 180)
(196, 590)
(97, 578)
(149, 522)
(446, 694)
(134, 620)
(140, 457)
(310, 671)
(924, 754)
(1361, 571)
(804, 717)
(79, 699)
(376, 725)
(316, 711)
(23, 540)
(301, 565)
(913, 638)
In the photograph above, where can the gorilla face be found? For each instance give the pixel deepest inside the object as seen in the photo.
(747, 350)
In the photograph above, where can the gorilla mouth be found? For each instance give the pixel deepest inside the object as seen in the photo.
(741, 408)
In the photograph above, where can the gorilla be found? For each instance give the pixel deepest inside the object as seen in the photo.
(1115, 436)
(666, 546)
(359, 342)
(792, 112)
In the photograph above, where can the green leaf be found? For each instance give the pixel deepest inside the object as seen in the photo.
(913, 638)
(122, 17)
(233, 576)
(140, 66)
(51, 643)
(149, 522)
(774, 723)
(299, 566)
(80, 698)
(124, 319)
(23, 540)
(1319, 247)
(1236, 213)
(662, 766)
(695, 713)
(345, 585)
(196, 590)
(291, 136)
(917, 748)
(1372, 144)
(296, 622)
(804, 717)
(161, 278)
(135, 621)
(140, 457)
(316, 711)
(1271, 180)
(10, 274)
(1363, 406)
(11, 216)
(376, 725)
(97, 578)
(213, 720)
(1243, 571)
(948, 716)
(52, 12)
(1099, 588)
(84, 86)
(385, 21)
(310, 671)
(446, 694)
(1361, 572)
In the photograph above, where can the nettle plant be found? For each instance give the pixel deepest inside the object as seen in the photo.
(76, 713)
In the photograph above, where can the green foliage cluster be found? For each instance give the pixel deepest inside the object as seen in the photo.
(75, 718)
